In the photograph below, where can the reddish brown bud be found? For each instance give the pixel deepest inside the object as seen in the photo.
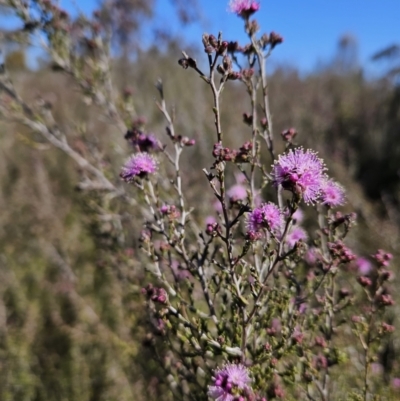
(213, 41)
(320, 342)
(386, 275)
(253, 27)
(223, 47)
(275, 39)
(247, 73)
(264, 123)
(385, 300)
(233, 76)
(233, 47)
(364, 281)
(387, 328)
(289, 134)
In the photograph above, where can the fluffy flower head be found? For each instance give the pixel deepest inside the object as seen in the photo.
(332, 193)
(267, 216)
(301, 172)
(138, 165)
(244, 8)
(295, 235)
(237, 193)
(230, 382)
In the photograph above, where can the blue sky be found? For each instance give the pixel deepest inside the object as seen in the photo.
(311, 28)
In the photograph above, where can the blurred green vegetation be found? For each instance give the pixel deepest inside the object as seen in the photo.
(68, 331)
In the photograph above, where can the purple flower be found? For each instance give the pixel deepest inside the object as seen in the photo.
(179, 271)
(210, 220)
(147, 142)
(396, 383)
(267, 216)
(237, 193)
(300, 172)
(298, 216)
(217, 206)
(295, 235)
(376, 368)
(332, 193)
(144, 142)
(244, 8)
(312, 256)
(240, 178)
(364, 265)
(139, 165)
(230, 383)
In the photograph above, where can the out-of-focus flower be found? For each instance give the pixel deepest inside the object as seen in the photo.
(300, 172)
(139, 165)
(147, 143)
(295, 235)
(312, 256)
(244, 8)
(376, 368)
(237, 193)
(396, 383)
(143, 142)
(332, 194)
(267, 216)
(298, 216)
(212, 226)
(364, 265)
(240, 178)
(230, 383)
(170, 210)
(179, 271)
(297, 335)
(217, 206)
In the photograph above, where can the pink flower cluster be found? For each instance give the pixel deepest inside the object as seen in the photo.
(244, 8)
(303, 173)
(332, 193)
(231, 383)
(266, 217)
(138, 165)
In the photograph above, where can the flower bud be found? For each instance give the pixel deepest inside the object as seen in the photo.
(275, 39)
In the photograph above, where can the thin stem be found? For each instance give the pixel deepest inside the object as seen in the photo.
(268, 132)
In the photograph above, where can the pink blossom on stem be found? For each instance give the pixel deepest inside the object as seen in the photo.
(217, 206)
(295, 235)
(267, 216)
(312, 256)
(138, 165)
(298, 216)
(230, 382)
(237, 193)
(364, 265)
(300, 172)
(332, 194)
(244, 8)
(396, 383)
